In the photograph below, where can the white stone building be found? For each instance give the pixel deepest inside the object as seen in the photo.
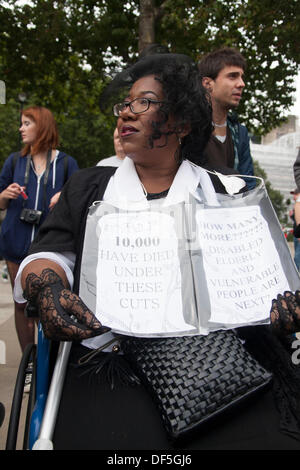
(277, 154)
(277, 160)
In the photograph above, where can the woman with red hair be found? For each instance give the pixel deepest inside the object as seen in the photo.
(30, 185)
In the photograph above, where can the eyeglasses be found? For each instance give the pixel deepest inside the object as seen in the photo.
(137, 106)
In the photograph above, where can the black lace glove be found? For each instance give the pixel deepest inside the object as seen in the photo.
(63, 315)
(285, 313)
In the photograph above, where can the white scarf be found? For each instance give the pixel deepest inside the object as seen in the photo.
(125, 191)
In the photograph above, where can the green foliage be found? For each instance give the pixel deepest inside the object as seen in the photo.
(45, 45)
(264, 32)
(9, 125)
(87, 136)
(61, 52)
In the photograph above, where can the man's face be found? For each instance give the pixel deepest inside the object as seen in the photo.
(226, 90)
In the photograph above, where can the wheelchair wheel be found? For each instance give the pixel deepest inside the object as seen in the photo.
(29, 355)
(30, 405)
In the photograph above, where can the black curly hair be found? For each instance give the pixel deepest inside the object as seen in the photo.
(185, 99)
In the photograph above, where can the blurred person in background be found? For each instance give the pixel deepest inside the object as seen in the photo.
(116, 159)
(30, 184)
(222, 73)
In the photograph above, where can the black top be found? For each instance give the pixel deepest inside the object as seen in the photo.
(220, 154)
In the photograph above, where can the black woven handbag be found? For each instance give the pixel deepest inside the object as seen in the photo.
(195, 378)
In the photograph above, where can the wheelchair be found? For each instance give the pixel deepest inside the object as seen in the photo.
(50, 360)
(49, 367)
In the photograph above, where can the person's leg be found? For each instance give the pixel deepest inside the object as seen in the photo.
(24, 325)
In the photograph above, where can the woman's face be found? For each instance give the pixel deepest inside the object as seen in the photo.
(135, 129)
(28, 130)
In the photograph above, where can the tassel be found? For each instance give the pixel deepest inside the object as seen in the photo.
(110, 366)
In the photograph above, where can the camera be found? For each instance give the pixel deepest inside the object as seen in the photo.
(31, 216)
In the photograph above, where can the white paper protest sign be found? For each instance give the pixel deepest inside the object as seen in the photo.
(138, 274)
(242, 266)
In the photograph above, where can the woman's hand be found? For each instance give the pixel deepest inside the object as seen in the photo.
(11, 192)
(54, 200)
(63, 315)
(285, 313)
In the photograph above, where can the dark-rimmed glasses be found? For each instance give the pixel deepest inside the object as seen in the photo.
(137, 106)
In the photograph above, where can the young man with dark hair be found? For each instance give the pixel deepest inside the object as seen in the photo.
(222, 74)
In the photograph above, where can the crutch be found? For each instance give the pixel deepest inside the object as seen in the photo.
(44, 441)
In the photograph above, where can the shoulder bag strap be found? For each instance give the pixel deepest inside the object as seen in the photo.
(65, 168)
(14, 162)
(46, 174)
(235, 140)
(26, 175)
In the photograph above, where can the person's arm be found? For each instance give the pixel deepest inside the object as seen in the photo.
(11, 192)
(54, 200)
(63, 315)
(9, 189)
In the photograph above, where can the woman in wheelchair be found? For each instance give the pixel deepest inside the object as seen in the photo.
(164, 123)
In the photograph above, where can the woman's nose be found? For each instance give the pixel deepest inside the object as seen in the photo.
(126, 113)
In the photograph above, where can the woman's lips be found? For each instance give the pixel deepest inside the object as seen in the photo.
(128, 130)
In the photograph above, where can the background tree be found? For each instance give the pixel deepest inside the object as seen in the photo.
(61, 53)
(53, 47)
